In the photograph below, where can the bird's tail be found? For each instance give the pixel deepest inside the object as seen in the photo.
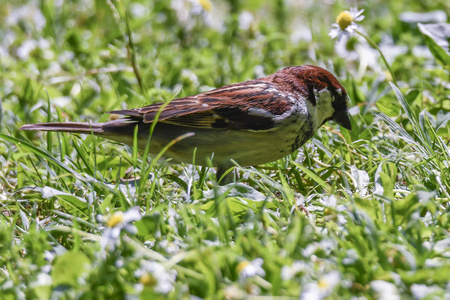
(74, 127)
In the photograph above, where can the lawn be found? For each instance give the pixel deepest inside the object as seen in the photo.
(360, 214)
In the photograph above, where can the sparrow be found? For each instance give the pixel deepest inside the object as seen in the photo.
(251, 122)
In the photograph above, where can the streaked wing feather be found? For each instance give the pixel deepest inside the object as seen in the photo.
(220, 108)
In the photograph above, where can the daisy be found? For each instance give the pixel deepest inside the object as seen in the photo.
(247, 269)
(116, 223)
(155, 276)
(321, 289)
(346, 23)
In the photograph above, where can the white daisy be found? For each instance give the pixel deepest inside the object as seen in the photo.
(116, 223)
(322, 288)
(346, 23)
(155, 276)
(247, 269)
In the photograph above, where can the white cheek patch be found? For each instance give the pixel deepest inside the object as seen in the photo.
(323, 95)
(324, 105)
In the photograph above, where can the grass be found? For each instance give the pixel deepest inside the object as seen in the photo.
(361, 213)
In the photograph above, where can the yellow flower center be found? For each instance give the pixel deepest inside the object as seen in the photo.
(115, 219)
(241, 266)
(147, 280)
(206, 4)
(323, 283)
(344, 19)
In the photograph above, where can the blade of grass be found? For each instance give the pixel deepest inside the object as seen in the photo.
(314, 177)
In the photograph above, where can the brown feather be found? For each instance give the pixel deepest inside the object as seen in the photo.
(228, 107)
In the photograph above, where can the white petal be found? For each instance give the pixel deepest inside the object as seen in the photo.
(115, 232)
(133, 214)
(131, 229)
(335, 32)
(344, 34)
(335, 25)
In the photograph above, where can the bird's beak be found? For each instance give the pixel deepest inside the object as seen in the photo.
(342, 118)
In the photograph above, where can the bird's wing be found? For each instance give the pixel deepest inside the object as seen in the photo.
(250, 105)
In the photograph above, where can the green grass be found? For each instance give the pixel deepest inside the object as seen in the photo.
(351, 214)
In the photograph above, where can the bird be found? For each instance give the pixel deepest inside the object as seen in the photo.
(251, 122)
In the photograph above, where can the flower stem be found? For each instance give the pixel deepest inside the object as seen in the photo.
(372, 43)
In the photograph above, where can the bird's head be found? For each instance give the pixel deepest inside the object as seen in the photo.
(326, 98)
